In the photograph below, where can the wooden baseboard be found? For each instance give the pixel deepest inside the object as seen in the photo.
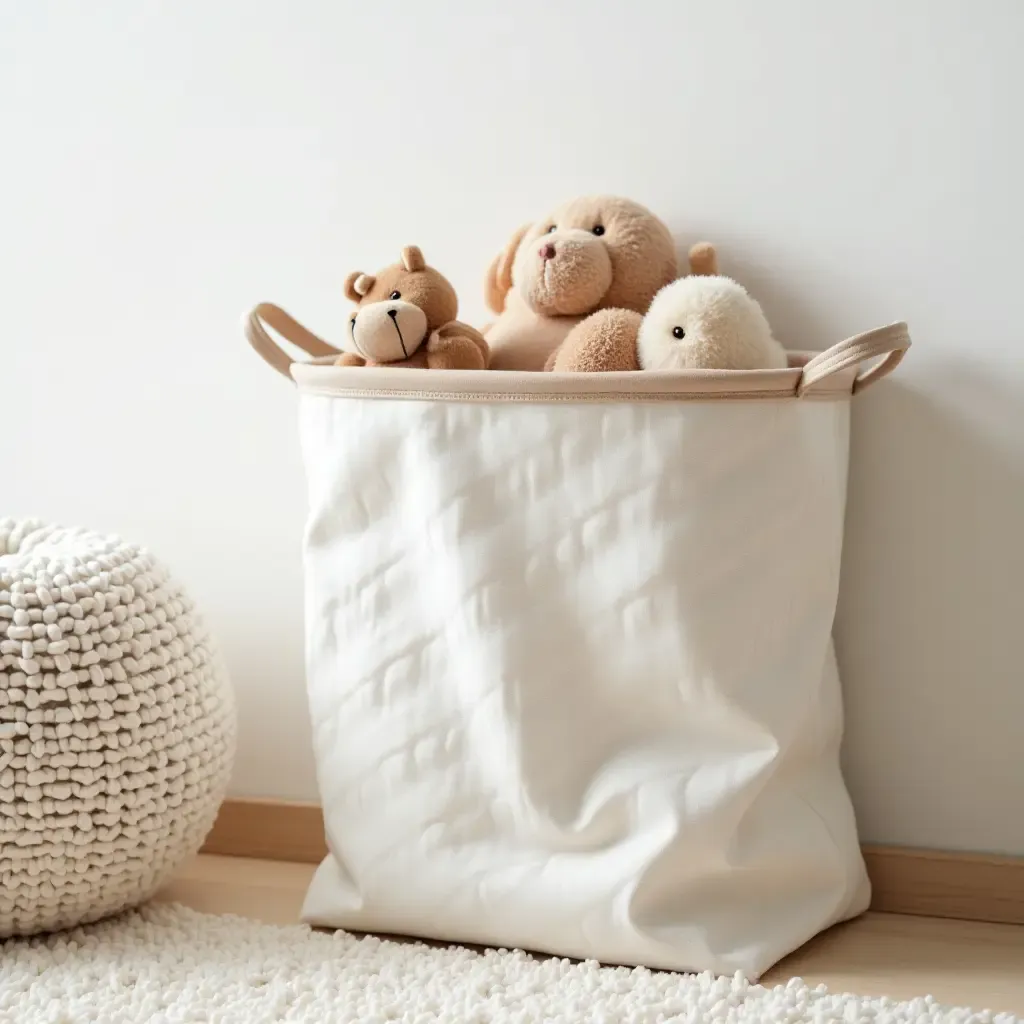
(933, 883)
(925, 883)
(269, 829)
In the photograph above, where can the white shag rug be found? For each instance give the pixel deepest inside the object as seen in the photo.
(165, 964)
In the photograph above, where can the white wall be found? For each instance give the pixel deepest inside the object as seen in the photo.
(165, 166)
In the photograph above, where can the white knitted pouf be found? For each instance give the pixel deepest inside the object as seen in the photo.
(117, 727)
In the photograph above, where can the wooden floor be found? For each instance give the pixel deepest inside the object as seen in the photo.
(960, 963)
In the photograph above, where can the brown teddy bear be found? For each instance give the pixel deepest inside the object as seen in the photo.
(405, 316)
(592, 253)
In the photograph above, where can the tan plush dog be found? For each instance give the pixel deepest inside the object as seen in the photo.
(589, 254)
(405, 316)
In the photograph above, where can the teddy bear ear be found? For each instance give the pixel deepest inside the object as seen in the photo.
(499, 274)
(412, 258)
(357, 284)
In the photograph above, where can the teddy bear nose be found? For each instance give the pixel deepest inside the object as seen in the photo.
(547, 252)
(393, 313)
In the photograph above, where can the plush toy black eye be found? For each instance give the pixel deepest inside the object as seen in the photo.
(597, 229)
(678, 332)
(550, 229)
(395, 295)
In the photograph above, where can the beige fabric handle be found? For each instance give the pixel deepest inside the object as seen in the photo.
(289, 329)
(891, 342)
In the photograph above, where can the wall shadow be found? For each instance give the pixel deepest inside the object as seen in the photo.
(931, 611)
(801, 319)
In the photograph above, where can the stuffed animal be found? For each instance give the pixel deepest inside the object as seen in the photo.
(405, 316)
(592, 253)
(698, 322)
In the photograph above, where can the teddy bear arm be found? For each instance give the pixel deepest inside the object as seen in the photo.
(604, 342)
(457, 346)
(349, 359)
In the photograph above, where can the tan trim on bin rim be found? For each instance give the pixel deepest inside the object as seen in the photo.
(831, 375)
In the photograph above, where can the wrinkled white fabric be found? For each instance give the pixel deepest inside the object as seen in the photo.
(571, 675)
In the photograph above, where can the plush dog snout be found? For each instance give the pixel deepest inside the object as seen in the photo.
(567, 275)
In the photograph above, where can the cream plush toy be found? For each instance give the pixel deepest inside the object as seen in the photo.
(707, 323)
(695, 323)
(592, 253)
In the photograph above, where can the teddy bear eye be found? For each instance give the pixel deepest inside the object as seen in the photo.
(551, 228)
(678, 332)
(395, 295)
(597, 229)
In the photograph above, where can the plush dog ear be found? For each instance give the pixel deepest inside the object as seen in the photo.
(412, 258)
(499, 274)
(357, 284)
(703, 260)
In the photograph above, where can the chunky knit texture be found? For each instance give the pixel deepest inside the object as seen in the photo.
(117, 727)
(166, 964)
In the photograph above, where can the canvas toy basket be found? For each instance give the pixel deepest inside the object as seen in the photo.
(569, 653)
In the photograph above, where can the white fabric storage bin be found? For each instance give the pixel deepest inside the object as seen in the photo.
(570, 664)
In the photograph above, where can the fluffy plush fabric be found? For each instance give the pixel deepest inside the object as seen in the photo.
(697, 322)
(703, 259)
(405, 316)
(592, 253)
(606, 340)
(707, 323)
(117, 727)
(166, 963)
